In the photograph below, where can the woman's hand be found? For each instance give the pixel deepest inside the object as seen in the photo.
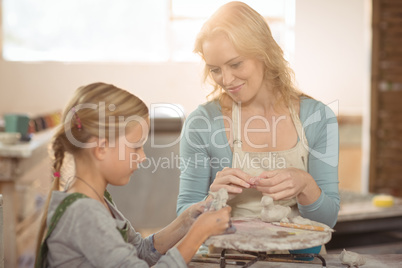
(282, 184)
(233, 180)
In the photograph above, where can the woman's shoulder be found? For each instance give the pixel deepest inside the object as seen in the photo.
(209, 109)
(310, 104)
(205, 115)
(311, 109)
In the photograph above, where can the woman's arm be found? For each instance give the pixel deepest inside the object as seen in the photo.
(195, 170)
(316, 190)
(206, 158)
(321, 127)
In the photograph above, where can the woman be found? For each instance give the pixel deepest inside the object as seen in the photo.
(258, 135)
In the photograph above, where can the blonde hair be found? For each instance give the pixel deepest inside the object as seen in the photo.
(79, 125)
(250, 34)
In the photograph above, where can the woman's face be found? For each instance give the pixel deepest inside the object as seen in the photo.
(241, 77)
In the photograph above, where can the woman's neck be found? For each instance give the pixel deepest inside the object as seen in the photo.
(262, 104)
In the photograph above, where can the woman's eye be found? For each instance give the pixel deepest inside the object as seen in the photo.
(215, 70)
(235, 65)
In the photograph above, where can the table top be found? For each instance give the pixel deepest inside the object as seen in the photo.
(355, 206)
(252, 234)
(25, 149)
(332, 260)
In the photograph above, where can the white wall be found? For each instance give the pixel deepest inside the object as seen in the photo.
(42, 87)
(332, 53)
(331, 63)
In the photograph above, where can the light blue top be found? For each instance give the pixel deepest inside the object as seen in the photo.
(205, 150)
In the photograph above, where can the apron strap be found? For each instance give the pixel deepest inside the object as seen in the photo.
(298, 124)
(61, 208)
(108, 196)
(236, 126)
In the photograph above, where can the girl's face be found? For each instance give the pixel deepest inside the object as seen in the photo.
(241, 77)
(126, 154)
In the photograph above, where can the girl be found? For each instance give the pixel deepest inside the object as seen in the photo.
(104, 129)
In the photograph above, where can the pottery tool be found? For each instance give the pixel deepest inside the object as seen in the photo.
(237, 263)
(303, 226)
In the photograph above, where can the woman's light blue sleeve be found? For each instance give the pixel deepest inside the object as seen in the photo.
(195, 172)
(321, 128)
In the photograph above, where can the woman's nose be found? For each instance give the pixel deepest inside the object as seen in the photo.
(227, 77)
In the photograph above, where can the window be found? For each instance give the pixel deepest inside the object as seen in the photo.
(121, 30)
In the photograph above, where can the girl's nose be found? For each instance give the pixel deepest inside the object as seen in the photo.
(142, 156)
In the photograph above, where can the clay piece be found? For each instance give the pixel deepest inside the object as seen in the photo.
(301, 220)
(352, 259)
(273, 213)
(219, 199)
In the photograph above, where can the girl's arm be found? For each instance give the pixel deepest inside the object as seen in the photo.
(177, 229)
(207, 224)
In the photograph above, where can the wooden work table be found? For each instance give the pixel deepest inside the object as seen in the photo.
(361, 225)
(332, 260)
(375, 218)
(358, 219)
(16, 160)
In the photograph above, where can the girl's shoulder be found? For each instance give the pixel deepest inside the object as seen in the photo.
(73, 204)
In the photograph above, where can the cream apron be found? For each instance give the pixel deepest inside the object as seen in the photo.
(248, 203)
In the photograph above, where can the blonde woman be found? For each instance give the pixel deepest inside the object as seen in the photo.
(258, 135)
(104, 129)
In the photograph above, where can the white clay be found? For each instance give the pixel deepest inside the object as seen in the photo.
(219, 199)
(301, 220)
(351, 259)
(273, 213)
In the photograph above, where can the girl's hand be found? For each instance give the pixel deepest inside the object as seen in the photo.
(192, 213)
(232, 179)
(288, 183)
(213, 222)
(207, 224)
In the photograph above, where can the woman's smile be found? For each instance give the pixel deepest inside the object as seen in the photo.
(234, 89)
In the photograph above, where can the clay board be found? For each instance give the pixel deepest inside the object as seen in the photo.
(256, 235)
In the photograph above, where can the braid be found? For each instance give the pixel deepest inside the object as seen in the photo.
(58, 150)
